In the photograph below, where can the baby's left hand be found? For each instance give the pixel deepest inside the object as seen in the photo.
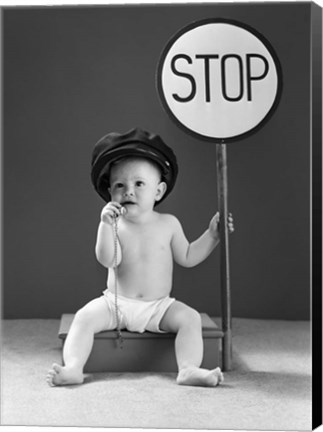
(214, 224)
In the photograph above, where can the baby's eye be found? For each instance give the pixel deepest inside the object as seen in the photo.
(140, 183)
(118, 185)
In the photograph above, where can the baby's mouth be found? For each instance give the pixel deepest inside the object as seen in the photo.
(124, 203)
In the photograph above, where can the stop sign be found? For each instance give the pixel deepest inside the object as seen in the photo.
(219, 79)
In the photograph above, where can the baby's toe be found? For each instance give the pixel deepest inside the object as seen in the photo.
(219, 375)
(56, 368)
(221, 378)
(52, 374)
(50, 379)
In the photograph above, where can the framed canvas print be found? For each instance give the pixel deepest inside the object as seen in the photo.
(162, 216)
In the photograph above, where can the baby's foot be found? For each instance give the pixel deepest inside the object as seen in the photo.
(195, 376)
(61, 375)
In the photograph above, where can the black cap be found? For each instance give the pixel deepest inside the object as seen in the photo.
(137, 143)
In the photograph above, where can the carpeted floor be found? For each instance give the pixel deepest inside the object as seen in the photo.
(269, 387)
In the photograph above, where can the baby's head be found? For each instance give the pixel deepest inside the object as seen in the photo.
(136, 180)
(136, 148)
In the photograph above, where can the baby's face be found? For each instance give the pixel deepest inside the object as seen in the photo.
(136, 185)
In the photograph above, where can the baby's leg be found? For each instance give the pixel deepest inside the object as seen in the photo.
(91, 319)
(186, 323)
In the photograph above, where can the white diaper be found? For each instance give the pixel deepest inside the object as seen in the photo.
(136, 315)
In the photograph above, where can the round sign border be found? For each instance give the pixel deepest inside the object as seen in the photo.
(236, 23)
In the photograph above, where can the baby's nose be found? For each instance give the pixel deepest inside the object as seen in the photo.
(129, 191)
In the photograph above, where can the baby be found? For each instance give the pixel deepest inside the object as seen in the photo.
(133, 173)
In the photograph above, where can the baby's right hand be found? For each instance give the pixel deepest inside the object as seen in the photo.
(111, 211)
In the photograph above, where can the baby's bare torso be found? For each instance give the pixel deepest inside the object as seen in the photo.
(146, 268)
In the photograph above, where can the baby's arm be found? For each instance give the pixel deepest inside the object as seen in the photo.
(105, 242)
(190, 254)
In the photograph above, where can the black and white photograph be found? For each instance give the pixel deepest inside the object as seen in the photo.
(163, 159)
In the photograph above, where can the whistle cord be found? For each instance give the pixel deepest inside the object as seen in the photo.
(115, 268)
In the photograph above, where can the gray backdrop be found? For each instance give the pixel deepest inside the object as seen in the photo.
(73, 74)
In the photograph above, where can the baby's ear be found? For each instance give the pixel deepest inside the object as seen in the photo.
(161, 189)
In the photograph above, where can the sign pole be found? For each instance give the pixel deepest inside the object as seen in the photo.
(222, 180)
(220, 80)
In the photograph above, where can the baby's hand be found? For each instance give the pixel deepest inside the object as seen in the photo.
(111, 211)
(215, 222)
(230, 223)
